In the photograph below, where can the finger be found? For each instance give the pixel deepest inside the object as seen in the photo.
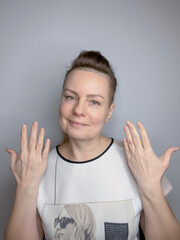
(144, 137)
(33, 136)
(13, 157)
(135, 136)
(126, 148)
(129, 139)
(168, 154)
(46, 149)
(40, 141)
(23, 141)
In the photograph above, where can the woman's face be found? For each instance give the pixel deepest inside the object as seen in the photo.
(84, 107)
(64, 225)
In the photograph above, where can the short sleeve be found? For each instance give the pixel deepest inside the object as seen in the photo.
(166, 185)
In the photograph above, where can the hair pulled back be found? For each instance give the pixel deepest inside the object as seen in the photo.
(94, 60)
(84, 219)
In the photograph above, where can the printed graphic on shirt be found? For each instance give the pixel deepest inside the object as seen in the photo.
(89, 221)
(75, 222)
(116, 231)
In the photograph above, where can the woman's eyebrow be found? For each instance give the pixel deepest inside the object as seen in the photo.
(89, 95)
(95, 95)
(69, 90)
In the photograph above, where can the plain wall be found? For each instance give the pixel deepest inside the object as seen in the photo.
(38, 41)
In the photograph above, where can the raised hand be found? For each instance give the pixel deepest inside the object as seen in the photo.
(30, 165)
(146, 167)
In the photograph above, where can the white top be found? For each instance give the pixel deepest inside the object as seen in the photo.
(98, 196)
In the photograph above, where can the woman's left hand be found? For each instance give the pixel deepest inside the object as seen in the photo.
(146, 167)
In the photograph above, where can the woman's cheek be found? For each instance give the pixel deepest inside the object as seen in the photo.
(97, 117)
(64, 109)
(62, 116)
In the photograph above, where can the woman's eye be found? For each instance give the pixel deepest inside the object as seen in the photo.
(70, 98)
(93, 102)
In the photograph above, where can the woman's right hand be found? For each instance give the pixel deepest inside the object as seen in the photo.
(30, 165)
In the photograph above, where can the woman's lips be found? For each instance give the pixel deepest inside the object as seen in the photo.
(78, 124)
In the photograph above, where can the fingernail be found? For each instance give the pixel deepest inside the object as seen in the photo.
(7, 150)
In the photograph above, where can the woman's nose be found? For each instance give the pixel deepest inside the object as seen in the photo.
(80, 108)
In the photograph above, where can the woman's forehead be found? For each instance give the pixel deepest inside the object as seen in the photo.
(88, 70)
(86, 78)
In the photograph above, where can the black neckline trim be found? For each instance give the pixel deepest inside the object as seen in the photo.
(87, 161)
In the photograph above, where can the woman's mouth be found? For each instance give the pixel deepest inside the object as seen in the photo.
(77, 124)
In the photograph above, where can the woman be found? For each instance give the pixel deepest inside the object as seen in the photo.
(91, 168)
(75, 222)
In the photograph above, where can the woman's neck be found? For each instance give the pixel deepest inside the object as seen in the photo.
(78, 150)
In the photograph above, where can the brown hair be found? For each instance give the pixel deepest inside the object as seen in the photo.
(94, 60)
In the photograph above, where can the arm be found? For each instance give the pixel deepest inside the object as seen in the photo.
(157, 219)
(28, 168)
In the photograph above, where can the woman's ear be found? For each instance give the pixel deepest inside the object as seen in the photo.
(110, 112)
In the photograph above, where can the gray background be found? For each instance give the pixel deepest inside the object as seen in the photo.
(39, 39)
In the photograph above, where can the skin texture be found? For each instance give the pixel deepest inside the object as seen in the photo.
(84, 109)
(146, 167)
(28, 168)
(30, 165)
(157, 219)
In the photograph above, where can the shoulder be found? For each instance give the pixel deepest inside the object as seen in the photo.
(52, 153)
(115, 154)
(52, 159)
(114, 151)
(52, 156)
(117, 147)
(118, 143)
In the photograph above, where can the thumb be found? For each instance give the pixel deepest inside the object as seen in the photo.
(169, 152)
(13, 156)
